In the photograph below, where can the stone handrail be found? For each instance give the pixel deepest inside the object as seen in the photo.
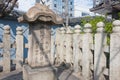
(90, 53)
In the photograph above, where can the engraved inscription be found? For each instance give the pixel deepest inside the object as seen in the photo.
(41, 45)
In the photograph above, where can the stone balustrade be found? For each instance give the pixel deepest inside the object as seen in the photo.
(86, 52)
(90, 53)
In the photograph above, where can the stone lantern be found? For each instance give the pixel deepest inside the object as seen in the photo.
(40, 19)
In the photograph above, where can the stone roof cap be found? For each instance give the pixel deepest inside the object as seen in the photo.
(40, 12)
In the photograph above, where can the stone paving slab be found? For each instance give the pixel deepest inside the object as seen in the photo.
(68, 75)
(17, 75)
(14, 75)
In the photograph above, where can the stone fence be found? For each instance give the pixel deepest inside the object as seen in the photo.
(6, 63)
(88, 53)
(84, 52)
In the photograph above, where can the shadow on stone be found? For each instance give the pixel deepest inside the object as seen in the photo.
(64, 72)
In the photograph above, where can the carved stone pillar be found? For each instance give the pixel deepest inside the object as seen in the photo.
(40, 18)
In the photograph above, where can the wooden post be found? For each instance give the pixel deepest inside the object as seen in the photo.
(115, 51)
(19, 48)
(6, 50)
(87, 54)
(99, 56)
(62, 43)
(77, 54)
(69, 51)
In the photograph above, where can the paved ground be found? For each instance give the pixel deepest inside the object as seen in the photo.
(68, 75)
(14, 75)
(63, 74)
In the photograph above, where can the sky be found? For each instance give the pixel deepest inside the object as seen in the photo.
(80, 5)
(86, 3)
(24, 5)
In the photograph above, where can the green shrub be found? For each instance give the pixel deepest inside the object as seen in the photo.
(94, 20)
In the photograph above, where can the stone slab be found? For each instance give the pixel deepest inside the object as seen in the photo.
(46, 73)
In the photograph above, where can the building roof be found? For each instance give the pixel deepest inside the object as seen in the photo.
(106, 7)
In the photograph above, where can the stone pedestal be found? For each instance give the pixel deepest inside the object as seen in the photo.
(39, 66)
(46, 73)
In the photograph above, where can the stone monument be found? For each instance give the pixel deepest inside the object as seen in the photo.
(39, 66)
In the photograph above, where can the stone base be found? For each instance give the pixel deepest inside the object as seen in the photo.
(46, 73)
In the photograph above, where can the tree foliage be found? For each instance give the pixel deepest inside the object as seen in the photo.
(94, 20)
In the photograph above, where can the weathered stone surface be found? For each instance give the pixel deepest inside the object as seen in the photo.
(57, 43)
(77, 54)
(40, 18)
(6, 49)
(47, 73)
(99, 56)
(87, 60)
(40, 46)
(115, 51)
(60, 48)
(52, 48)
(41, 13)
(68, 43)
(19, 47)
(62, 43)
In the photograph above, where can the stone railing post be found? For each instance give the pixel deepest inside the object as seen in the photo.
(62, 43)
(99, 56)
(6, 49)
(77, 54)
(57, 47)
(115, 51)
(69, 43)
(30, 50)
(87, 54)
(19, 48)
(52, 46)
